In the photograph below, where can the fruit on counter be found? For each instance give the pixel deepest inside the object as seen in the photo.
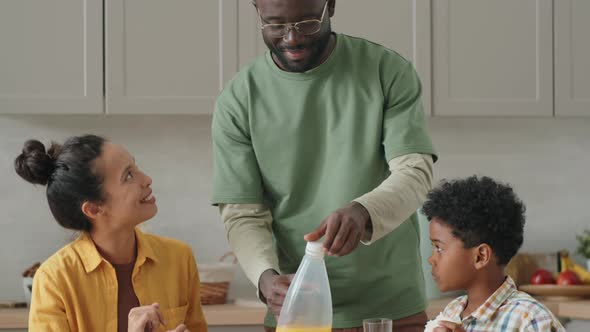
(566, 263)
(568, 277)
(542, 277)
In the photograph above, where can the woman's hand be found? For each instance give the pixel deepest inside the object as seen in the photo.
(180, 328)
(145, 318)
(148, 318)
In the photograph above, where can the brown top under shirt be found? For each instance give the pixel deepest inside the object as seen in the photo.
(126, 299)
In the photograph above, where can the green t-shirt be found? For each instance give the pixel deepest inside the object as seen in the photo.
(306, 144)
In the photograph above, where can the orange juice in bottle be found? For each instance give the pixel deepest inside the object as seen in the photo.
(304, 329)
(308, 303)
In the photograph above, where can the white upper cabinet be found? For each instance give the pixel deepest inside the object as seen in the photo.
(572, 58)
(474, 57)
(493, 58)
(51, 56)
(170, 56)
(401, 25)
(250, 43)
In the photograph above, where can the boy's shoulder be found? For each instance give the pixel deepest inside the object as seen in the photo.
(507, 307)
(529, 307)
(527, 312)
(520, 310)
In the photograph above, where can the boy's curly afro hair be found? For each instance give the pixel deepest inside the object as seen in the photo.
(480, 210)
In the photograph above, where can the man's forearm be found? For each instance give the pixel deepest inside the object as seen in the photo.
(398, 196)
(249, 233)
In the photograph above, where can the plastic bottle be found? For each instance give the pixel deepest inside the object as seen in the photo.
(308, 303)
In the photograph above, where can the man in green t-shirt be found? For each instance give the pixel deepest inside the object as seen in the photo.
(324, 137)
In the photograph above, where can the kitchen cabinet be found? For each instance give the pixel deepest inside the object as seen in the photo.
(403, 26)
(170, 56)
(51, 57)
(250, 43)
(498, 58)
(572, 58)
(492, 58)
(166, 57)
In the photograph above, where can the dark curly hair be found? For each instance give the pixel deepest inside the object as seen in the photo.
(480, 210)
(69, 174)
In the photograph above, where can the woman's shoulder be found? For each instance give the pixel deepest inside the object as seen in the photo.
(59, 263)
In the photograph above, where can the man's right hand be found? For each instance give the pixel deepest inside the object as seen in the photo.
(273, 287)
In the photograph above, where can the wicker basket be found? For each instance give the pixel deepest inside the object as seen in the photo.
(215, 279)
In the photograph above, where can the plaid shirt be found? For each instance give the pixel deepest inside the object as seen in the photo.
(508, 309)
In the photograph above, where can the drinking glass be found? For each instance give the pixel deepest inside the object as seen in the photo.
(377, 325)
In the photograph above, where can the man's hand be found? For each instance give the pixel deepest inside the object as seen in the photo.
(344, 229)
(274, 289)
(445, 326)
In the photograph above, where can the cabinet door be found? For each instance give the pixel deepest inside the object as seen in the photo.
(401, 25)
(572, 58)
(51, 56)
(250, 43)
(168, 57)
(492, 58)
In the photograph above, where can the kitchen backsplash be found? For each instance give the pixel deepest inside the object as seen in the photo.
(544, 159)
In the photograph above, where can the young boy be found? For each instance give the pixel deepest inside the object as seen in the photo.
(476, 227)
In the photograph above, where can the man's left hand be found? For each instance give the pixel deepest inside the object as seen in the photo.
(343, 229)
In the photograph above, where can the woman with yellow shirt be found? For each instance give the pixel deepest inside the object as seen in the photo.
(113, 277)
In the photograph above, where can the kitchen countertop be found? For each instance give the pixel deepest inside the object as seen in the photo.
(216, 315)
(232, 314)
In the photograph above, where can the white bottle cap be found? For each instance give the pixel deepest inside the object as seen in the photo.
(315, 248)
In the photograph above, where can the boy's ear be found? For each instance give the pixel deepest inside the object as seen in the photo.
(482, 256)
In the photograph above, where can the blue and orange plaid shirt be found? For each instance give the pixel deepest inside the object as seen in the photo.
(508, 309)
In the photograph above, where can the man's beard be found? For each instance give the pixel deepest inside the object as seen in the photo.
(317, 49)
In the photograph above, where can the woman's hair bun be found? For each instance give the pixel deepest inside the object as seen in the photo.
(35, 164)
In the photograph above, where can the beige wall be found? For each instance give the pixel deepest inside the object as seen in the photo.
(545, 160)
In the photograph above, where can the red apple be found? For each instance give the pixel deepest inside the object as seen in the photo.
(541, 277)
(568, 277)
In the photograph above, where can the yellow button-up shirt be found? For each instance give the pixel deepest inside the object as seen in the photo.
(76, 288)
